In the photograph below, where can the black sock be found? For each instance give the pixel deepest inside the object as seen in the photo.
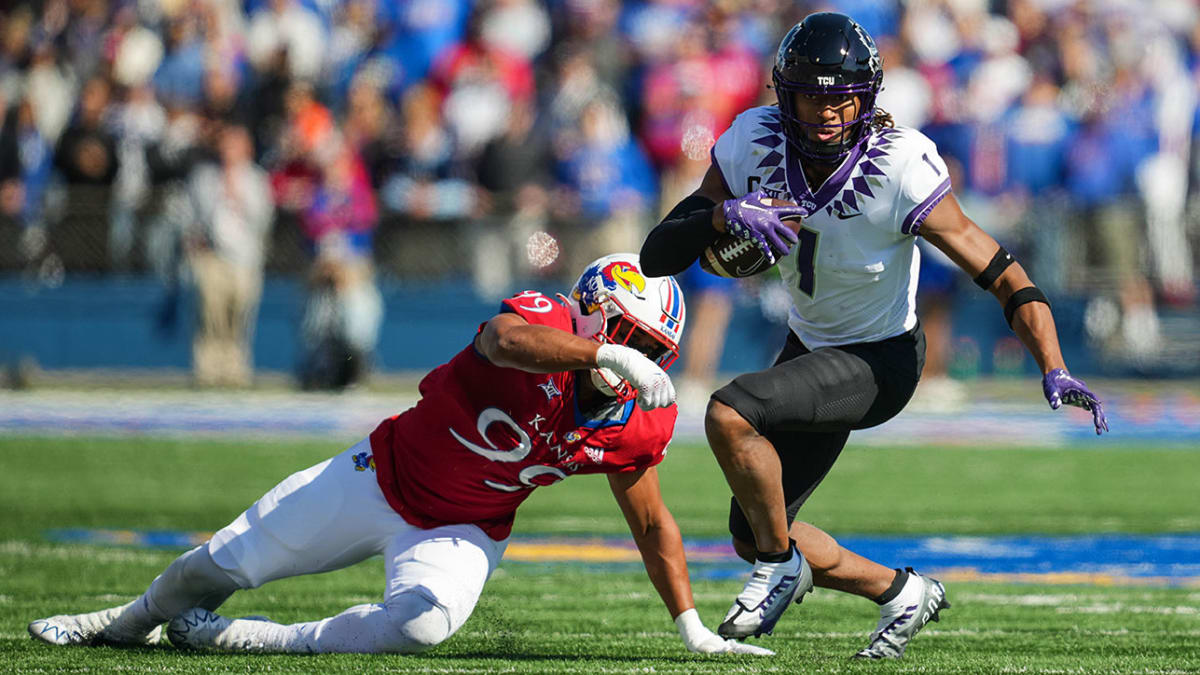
(784, 556)
(893, 590)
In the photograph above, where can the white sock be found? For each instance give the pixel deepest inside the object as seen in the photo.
(191, 580)
(908, 596)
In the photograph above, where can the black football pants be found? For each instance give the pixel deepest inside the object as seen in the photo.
(809, 401)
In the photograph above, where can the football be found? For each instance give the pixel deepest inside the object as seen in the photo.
(734, 257)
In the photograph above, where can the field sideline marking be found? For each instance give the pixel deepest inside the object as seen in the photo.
(1136, 417)
(1095, 560)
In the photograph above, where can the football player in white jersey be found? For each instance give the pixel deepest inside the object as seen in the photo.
(863, 190)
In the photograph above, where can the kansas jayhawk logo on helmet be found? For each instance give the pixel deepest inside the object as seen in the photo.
(605, 276)
(613, 299)
(626, 275)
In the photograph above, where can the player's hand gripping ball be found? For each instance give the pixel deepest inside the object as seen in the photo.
(759, 230)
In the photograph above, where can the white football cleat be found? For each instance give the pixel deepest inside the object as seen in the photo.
(770, 590)
(89, 629)
(199, 628)
(919, 602)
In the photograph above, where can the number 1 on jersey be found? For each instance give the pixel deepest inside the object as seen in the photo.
(806, 256)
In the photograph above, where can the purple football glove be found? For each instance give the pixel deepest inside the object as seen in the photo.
(1061, 388)
(749, 217)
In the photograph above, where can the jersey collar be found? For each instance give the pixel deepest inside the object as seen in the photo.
(798, 183)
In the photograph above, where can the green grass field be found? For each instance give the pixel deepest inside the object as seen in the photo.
(571, 618)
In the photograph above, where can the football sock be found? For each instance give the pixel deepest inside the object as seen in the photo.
(782, 556)
(192, 580)
(898, 582)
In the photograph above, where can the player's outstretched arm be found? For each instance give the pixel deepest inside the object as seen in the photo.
(509, 341)
(658, 540)
(1025, 307)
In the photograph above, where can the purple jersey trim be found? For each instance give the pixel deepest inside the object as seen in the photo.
(712, 152)
(912, 223)
(832, 187)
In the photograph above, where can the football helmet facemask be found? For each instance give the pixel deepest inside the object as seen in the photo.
(614, 302)
(827, 54)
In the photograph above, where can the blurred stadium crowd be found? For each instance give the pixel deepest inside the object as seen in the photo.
(214, 141)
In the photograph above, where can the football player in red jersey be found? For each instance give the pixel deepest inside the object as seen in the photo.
(548, 388)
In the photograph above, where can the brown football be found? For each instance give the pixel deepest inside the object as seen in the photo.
(733, 257)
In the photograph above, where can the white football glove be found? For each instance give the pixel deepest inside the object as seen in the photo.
(701, 640)
(654, 388)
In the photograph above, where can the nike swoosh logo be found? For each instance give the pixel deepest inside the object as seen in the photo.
(847, 216)
(744, 271)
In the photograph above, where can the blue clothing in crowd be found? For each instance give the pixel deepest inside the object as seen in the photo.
(603, 177)
(180, 76)
(1037, 142)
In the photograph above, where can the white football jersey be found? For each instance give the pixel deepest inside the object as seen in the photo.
(853, 274)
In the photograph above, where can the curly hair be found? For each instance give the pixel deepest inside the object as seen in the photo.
(882, 120)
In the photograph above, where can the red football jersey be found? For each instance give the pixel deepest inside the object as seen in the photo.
(482, 437)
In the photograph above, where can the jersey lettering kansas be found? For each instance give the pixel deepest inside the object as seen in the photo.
(853, 274)
(483, 437)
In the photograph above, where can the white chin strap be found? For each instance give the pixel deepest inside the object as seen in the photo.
(601, 378)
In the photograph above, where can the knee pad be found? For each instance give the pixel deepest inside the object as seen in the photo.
(416, 622)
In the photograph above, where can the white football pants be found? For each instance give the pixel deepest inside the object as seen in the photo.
(326, 517)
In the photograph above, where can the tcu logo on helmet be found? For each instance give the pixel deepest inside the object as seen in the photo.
(826, 80)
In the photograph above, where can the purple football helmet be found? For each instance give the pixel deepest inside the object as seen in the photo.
(827, 54)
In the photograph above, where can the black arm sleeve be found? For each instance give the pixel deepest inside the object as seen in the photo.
(680, 238)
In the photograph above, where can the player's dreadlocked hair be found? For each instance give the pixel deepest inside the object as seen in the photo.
(882, 119)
